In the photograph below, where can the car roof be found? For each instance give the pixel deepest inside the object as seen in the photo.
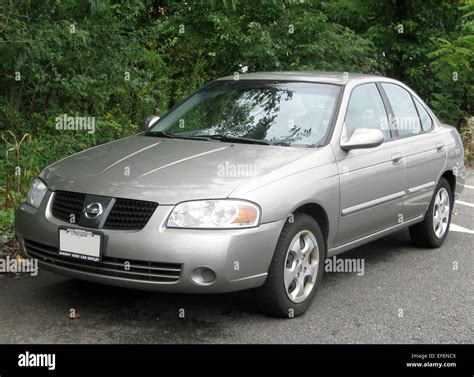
(339, 78)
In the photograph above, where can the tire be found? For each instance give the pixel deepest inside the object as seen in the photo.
(305, 267)
(423, 234)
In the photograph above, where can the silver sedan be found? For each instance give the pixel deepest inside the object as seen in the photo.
(252, 182)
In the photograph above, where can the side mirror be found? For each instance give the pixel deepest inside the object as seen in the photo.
(149, 122)
(363, 138)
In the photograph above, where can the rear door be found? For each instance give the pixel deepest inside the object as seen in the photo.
(423, 148)
(372, 180)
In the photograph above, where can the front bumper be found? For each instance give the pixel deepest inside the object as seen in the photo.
(240, 257)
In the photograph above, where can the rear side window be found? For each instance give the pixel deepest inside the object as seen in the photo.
(366, 110)
(406, 116)
(425, 119)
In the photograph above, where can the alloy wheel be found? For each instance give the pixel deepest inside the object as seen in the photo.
(301, 266)
(441, 210)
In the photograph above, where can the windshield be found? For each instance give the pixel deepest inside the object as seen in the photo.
(282, 113)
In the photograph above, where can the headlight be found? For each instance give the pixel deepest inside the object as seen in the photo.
(217, 214)
(36, 193)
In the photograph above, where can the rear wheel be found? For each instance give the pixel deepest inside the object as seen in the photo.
(432, 231)
(296, 269)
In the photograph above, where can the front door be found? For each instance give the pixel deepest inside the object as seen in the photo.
(372, 180)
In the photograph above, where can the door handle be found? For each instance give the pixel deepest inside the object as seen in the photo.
(440, 147)
(397, 158)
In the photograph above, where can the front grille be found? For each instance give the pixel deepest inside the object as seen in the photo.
(126, 214)
(66, 204)
(137, 271)
(130, 214)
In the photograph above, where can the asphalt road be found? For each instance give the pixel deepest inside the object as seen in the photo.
(406, 295)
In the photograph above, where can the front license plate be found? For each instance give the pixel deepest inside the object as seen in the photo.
(80, 244)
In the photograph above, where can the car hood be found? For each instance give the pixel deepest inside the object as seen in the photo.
(167, 171)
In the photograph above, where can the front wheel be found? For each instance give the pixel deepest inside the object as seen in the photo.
(432, 231)
(296, 269)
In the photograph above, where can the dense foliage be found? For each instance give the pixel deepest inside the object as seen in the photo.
(119, 61)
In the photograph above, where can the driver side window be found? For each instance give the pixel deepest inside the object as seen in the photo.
(366, 110)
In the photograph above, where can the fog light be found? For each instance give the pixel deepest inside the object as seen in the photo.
(203, 275)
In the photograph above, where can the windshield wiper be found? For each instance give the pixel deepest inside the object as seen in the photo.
(235, 139)
(174, 136)
(226, 138)
(219, 137)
